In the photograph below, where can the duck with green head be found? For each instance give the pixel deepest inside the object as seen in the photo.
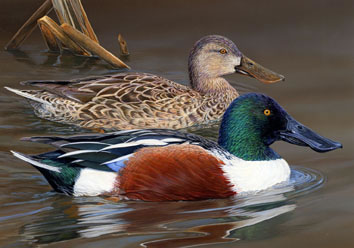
(166, 165)
(138, 100)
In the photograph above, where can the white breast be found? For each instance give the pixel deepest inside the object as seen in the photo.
(248, 176)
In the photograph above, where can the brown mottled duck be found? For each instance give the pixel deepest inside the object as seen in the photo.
(131, 100)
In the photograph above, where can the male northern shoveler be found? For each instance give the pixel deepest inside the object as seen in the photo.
(164, 165)
(138, 100)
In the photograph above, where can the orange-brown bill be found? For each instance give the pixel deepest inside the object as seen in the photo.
(252, 69)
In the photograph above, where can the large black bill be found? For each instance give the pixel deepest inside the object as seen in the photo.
(298, 134)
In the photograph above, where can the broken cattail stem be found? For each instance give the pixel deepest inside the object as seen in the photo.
(73, 13)
(63, 12)
(86, 25)
(61, 36)
(49, 38)
(123, 45)
(92, 46)
(29, 26)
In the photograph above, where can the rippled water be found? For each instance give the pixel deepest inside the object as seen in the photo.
(170, 224)
(310, 42)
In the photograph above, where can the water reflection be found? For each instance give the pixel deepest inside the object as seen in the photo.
(173, 224)
(65, 60)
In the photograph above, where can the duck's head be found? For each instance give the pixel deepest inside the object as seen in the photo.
(214, 56)
(254, 121)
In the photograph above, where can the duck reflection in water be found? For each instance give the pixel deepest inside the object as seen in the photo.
(164, 224)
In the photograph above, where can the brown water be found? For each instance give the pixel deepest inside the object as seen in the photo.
(310, 42)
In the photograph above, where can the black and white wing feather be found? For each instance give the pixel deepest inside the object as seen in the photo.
(109, 151)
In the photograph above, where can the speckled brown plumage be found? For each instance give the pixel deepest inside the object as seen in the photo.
(138, 100)
(128, 101)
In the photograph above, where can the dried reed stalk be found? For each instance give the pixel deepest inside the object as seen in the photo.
(92, 46)
(49, 38)
(123, 45)
(28, 27)
(62, 36)
(73, 13)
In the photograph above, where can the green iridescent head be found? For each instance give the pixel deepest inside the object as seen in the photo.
(254, 121)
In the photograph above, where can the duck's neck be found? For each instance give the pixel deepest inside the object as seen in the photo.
(242, 139)
(205, 83)
(213, 86)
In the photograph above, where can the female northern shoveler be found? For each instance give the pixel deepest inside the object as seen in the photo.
(138, 100)
(164, 165)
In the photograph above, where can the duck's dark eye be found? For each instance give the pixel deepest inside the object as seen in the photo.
(266, 112)
(223, 51)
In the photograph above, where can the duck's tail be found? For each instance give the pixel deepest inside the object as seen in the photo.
(28, 94)
(60, 177)
(47, 105)
(35, 162)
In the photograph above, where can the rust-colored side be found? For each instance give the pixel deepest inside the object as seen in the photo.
(175, 172)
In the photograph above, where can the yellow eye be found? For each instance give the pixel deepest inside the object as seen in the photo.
(223, 51)
(266, 112)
